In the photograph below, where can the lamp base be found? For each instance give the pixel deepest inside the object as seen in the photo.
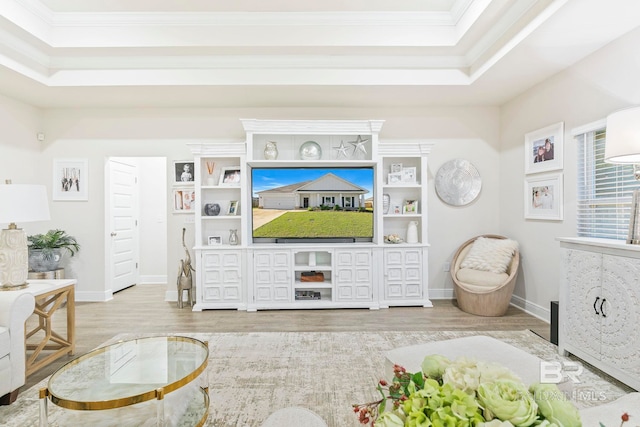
(13, 287)
(14, 258)
(633, 238)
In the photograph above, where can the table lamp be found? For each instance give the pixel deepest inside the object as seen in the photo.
(18, 203)
(623, 147)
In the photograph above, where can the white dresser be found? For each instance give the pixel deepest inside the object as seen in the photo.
(600, 305)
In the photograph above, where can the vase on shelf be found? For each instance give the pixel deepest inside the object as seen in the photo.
(210, 165)
(233, 237)
(412, 232)
(386, 202)
(270, 150)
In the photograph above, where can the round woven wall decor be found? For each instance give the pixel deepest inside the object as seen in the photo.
(458, 182)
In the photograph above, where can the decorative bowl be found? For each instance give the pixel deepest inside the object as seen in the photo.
(393, 238)
(310, 150)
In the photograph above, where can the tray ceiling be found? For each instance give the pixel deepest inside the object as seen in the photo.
(235, 53)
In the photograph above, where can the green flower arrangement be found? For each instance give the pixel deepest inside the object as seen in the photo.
(465, 393)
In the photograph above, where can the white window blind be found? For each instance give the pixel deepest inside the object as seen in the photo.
(604, 190)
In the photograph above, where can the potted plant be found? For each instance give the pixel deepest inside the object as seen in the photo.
(46, 250)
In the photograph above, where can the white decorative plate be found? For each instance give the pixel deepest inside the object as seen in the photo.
(458, 182)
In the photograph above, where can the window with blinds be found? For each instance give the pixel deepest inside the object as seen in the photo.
(604, 190)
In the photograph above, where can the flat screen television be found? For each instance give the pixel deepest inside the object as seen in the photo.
(312, 204)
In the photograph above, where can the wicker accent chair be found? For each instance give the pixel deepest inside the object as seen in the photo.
(490, 298)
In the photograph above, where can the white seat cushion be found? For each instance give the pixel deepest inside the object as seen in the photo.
(5, 341)
(609, 414)
(480, 347)
(480, 280)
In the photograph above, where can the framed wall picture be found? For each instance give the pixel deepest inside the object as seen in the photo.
(543, 149)
(184, 200)
(214, 240)
(543, 197)
(70, 179)
(233, 208)
(230, 176)
(183, 172)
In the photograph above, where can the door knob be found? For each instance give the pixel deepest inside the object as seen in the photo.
(113, 233)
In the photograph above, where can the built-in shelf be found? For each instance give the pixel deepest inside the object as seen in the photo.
(263, 274)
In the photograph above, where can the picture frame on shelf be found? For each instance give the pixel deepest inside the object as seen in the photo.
(70, 180)
(233, 208)
(410, 207)
(395, 178)
(397, 210)
(543, 197)
(409, 175)
(184, 200)
(395, 167)
(211, 209)
(183, 172)
(544, 149)
(214, 240)
(230, 176)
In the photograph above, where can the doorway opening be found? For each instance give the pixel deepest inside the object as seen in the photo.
(136, 221)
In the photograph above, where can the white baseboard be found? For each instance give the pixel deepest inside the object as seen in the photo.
(535, 310)
(441, 293)
(153, 279)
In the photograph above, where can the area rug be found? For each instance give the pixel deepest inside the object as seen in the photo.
(251, 375)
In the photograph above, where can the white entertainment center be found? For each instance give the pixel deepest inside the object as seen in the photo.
(254, 274)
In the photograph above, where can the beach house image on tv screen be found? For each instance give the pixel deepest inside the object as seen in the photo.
(312, 204)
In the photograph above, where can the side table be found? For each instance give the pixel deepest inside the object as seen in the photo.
(50, 296)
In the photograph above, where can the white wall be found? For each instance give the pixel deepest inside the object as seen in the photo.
(152, 221)
(589, 91)
(491, 138)
(471, 133)
(19, 147)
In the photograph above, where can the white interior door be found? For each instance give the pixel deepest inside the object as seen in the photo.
(123, 223)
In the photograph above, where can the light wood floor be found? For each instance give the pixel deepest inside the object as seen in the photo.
(142, 309)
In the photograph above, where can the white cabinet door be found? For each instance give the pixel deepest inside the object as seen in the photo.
(581, 326)
(600, 296)
(353, 275)
(221, 278)
(621, 313)
(272, 276)
(403, 273)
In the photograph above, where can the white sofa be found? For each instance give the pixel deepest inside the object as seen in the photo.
(15, 308)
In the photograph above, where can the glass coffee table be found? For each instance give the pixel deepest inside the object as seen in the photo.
(157, 381)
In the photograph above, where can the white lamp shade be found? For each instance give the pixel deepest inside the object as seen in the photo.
(623, 136)
(23, 203)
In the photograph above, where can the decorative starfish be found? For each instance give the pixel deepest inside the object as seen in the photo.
(342, 150)
(358, 145)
